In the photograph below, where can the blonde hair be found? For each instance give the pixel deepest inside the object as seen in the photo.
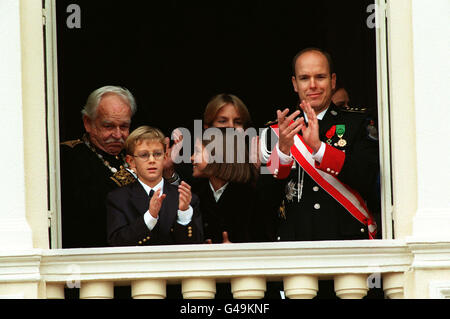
(219, 101)
(143, 133)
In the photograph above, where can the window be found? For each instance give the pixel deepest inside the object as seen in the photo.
(181, 54)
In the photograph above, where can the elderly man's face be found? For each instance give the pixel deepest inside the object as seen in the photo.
(111, 127)
(313, 81)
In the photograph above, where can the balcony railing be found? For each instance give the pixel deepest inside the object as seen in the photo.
(353, 265)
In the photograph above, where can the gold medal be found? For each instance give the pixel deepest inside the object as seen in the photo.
(340, 130)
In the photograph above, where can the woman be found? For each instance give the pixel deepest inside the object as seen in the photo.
(224, 179)
(223, 110)
(226, 111)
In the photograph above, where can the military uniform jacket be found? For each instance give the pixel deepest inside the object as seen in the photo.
(126, 227)
(307, 212)
(85, 182)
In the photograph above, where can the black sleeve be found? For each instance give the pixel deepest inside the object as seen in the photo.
(361, 166)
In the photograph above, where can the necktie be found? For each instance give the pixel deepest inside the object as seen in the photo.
(150, 195)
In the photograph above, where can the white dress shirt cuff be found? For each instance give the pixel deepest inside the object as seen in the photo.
(319, 155)
(185, 217)
(149, 220)
(284, 159)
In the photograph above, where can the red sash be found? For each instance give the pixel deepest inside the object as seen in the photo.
(347, 197)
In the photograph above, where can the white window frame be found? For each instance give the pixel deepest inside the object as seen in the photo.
(51, 56)
(49, 15)
(384, 133)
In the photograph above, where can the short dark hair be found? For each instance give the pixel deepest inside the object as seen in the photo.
(326, 54)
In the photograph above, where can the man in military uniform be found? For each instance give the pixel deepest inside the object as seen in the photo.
(94, 165)
(324, 164)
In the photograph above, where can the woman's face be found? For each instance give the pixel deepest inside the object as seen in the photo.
(228, 116)
(199, 160)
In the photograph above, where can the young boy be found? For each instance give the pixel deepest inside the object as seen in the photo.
(151, 211)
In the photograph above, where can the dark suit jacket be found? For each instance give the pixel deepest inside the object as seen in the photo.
(125, 218)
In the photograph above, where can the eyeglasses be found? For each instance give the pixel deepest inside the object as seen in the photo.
(146, 156)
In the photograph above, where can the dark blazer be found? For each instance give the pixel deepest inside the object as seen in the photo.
(231, 213)
(125, 218)
(317, 215)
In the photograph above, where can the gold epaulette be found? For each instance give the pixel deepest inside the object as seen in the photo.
(72, 143)
(352, 109)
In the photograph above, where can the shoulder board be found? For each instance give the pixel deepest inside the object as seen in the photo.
(271, 123)
(72, 143)
(351, 109)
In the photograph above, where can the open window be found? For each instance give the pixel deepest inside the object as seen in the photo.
(174, 56)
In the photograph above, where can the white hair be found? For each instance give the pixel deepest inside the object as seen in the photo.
(90, 109)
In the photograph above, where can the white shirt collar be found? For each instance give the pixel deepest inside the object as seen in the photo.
(158, 186)
(218, 192)
(319, 116)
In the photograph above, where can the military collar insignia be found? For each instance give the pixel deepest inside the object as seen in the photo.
(271, 123)
(352, 109)
(123, 177)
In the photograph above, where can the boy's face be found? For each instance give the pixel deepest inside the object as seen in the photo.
(147, 161)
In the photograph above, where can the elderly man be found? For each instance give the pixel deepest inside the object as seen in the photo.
(94, 165)
(324, 163)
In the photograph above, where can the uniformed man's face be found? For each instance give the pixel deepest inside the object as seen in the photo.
(148, 161)
(111, 127)
(313, 81)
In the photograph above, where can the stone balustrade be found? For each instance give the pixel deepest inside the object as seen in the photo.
(354, 266)
(247, 267)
